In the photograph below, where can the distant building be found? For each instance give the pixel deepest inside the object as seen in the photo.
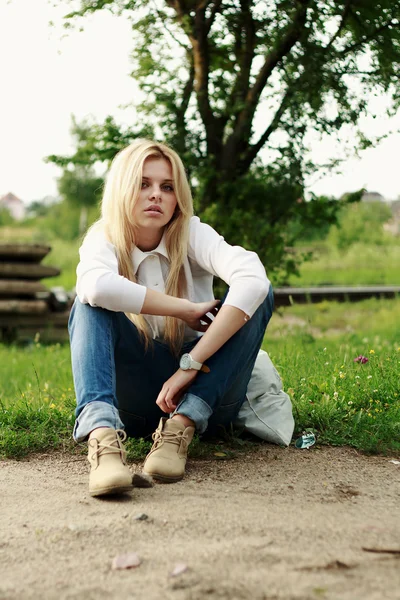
(393, 226)
(14, 205)
(372, 197)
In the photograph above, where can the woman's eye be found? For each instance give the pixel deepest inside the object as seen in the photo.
(144, 184)
(168, 188)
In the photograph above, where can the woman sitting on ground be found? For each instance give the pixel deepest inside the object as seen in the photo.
(151, 348)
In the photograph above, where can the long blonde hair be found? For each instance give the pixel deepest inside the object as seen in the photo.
(121, 192)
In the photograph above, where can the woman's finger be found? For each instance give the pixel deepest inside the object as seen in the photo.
(201, 327)
(163, 406)
(171, 405)
(206, 319)
(161, 401)
(170, 395)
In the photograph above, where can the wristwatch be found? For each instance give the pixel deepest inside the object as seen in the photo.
(187, 363)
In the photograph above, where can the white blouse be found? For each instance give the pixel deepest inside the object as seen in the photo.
(99, 283)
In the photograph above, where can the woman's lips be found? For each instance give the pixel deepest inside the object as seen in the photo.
(153, 213)
(154, 210)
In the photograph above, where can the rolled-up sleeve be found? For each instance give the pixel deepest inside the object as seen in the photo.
(98, 281)
(241, 269)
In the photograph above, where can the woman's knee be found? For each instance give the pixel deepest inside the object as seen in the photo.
(266, 308)
(269, 302)
(84, 317)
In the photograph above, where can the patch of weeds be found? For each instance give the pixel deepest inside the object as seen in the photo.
(136, 449)
(25, 428)
(346, 401)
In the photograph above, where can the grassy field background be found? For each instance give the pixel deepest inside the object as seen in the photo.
(360, 264)
(312, 346)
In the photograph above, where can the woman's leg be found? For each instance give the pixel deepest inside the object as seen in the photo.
(92, 340)
(215, 398)
(116, 381)
(109, 362)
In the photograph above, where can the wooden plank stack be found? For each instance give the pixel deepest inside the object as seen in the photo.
(28, 309)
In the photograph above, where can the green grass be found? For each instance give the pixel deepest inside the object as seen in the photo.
(361, 264)
(65, 256)
(344, 402)
(313, 347)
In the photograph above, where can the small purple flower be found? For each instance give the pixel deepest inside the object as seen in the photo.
(361, 359)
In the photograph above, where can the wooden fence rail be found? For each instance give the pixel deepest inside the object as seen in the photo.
(286, 296)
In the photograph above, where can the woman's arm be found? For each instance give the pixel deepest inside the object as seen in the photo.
(227, 322)
(193, 313)
(241, 269)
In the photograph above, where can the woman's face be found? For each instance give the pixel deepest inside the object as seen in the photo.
(157, 201)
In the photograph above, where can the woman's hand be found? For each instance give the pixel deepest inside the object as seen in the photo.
(196, 314)
(174, 388)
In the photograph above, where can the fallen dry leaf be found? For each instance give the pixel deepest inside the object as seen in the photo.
(179, 569)
(126, 561)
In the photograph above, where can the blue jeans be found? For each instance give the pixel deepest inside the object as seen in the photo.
(117, 381)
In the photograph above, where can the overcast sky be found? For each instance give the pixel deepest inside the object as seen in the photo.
(45, 78)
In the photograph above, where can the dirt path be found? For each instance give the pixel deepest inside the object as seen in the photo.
(279, 524)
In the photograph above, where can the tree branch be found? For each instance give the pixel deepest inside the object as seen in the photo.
(244, 56)
(187, 91)
(201, 62)
(367, 38)
(163, 24)
(253, 150)
(242, 129)
(179, 8)
(214, 12)
(180, 142)
(283, 47)
(345, 15)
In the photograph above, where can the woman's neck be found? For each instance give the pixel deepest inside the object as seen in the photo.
(148, 240)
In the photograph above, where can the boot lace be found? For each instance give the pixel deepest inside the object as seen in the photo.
(169, 437)
(112, 448)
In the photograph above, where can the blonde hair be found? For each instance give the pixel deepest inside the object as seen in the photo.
(121, 192)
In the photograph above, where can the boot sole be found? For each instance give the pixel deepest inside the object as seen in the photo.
(111, 491)
(164, 478)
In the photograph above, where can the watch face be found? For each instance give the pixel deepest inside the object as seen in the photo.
(185, 362)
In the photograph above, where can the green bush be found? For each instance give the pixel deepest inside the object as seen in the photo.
(361, 222)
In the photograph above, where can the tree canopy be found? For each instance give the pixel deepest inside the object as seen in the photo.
(226, 81)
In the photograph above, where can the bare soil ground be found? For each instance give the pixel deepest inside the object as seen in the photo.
(275, 524)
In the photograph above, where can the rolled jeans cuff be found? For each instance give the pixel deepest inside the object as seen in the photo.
(96, 414)
(195, 409)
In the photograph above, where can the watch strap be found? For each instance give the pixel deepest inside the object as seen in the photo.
(196, 365)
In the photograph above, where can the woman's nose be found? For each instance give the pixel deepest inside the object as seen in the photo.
(155, 192)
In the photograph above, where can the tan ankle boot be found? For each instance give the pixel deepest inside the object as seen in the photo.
(166, 460)
(109, 473)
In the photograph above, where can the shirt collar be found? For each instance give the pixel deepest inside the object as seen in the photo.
(138, 256)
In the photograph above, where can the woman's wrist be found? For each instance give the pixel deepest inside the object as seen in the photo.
(187, 310)
(160, 304)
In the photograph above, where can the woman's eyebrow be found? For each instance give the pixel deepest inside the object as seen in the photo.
(164, 181)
